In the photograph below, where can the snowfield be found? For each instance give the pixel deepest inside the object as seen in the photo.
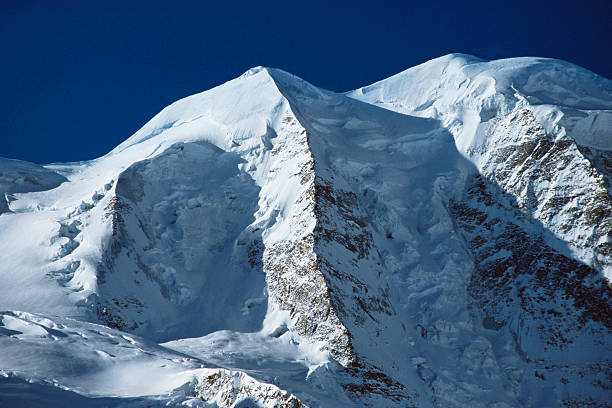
(441, 238)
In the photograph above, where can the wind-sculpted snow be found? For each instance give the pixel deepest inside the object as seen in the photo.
(442, 242)
(17, 176)
(96, 361)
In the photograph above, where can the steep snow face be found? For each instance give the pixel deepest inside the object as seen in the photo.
(440, 245)
(165, 236)
(538, 224)
(381, 181)
(141, 238)
(540, 128)
(180, 242)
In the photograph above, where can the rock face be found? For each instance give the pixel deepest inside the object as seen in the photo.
(230, 389)
(440, 238)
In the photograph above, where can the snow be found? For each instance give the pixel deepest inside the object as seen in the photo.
(89, 359)
(22, 177)
(17, 176)
(199, 263)
(474, 100)
(456, 84)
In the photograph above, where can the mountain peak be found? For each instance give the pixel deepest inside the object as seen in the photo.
(439, 238)
(252, 71)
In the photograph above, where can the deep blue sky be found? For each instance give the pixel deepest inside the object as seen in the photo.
(79, 79)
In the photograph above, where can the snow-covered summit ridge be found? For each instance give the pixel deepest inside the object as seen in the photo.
(543, 80)
(457, 85)
(248, 103)
(221, 108)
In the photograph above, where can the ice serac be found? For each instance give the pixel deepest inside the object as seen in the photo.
(440, 238)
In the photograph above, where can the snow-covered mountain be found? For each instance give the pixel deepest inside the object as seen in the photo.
(440, 238)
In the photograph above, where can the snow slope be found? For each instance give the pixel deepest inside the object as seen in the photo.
(105, 366)
(541, 128)
(22, 177)
(439, 238)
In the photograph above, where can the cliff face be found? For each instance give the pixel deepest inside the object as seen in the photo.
(440, 238)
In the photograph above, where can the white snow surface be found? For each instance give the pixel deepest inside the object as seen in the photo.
(142, 278)
(480, 103)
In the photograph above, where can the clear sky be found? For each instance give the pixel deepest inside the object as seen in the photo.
(80, 77)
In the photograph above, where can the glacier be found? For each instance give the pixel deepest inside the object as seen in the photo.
(440, 238)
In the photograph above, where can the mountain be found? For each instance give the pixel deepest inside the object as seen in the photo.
(440, 238)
